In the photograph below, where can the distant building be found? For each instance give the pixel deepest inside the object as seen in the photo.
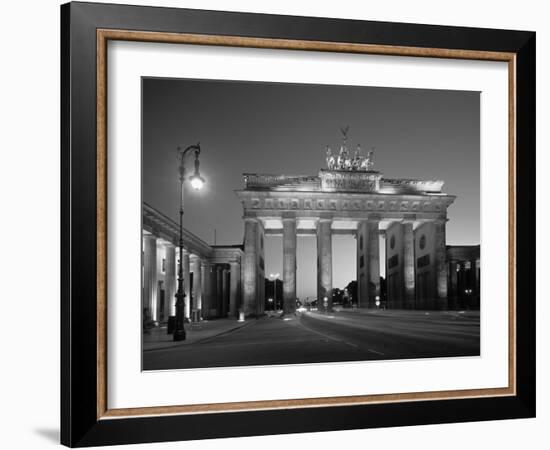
(464, 276)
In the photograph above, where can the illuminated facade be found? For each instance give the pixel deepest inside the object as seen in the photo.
(350, 198)
(211, 274)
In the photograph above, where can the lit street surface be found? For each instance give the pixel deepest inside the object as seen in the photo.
(316, 337)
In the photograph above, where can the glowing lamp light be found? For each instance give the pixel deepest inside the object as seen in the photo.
(197, 182)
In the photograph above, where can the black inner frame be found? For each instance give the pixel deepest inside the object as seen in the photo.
(79, 424)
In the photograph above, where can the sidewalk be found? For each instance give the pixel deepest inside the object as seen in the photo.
(195, 332)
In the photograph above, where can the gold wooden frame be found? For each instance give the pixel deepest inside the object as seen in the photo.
(104, 35)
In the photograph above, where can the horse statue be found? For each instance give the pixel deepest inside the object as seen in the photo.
(343, 158)
(368, 163)
(357, 159)
(371, 159)
(331, 159)
(348, 162)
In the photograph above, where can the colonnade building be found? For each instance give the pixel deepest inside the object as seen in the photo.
(211, 274)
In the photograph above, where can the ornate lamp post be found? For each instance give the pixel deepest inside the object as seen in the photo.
(196, 183)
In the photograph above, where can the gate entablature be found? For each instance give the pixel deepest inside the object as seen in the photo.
(264, 203)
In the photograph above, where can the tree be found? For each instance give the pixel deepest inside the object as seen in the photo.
(352, 291)
(337, 295)
(273, 287)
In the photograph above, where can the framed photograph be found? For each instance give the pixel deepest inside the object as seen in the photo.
(276, 224)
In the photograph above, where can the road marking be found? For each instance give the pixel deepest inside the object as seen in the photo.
(319, 333)
(331, 338)
(374, 351)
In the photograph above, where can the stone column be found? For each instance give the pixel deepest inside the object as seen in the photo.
(235, 281)
(197, 284)
(394, 266)
(250, 291)
(150, 275)
(324, 265)
(260, 303)
(478, 284)
(289, 265)
(213, 312)
(362, 264)
(453, 284)
(374, 261)
(474, 303)
(225, 291)
(220, 296)
(408, 265)
(440, 251)
(475, 278)
(170, 279)
(184, 258)
(205, 288)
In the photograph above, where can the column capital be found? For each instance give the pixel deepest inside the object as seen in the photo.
(251, 218)
(324, 218)
(409, 218)
(440, 220)
(288, 216)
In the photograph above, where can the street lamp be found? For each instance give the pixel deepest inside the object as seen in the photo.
(196, 183)
(274, 277)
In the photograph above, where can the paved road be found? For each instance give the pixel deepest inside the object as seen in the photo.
(342, 336)
(397, 335)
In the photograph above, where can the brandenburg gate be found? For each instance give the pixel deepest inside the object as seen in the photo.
(349, 197)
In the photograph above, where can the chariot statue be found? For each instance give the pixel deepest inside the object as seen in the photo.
(345, 161)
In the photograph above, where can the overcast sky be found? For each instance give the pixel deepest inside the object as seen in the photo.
(284, 128)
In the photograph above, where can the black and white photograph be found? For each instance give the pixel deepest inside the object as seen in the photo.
(301, 223)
